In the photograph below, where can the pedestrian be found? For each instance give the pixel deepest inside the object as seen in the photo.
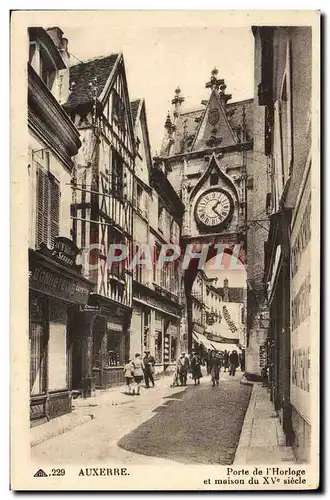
(183, 367)
(196, 370)
(215, 363)
(149, 368)
(225, 360)
(233, 363)
(129, 375)
(138, 372)
(207, 360)
(175, 381)
(242, 361)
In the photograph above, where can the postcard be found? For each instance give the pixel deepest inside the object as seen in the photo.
(165, 207)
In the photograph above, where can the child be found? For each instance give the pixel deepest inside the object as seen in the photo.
(128, 373)
(175, 381)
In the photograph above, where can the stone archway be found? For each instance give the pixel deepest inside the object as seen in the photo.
(189, 274)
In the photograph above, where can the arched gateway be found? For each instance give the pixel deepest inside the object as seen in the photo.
(206, 155)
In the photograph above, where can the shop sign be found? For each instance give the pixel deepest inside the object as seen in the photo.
(87, 308)
(64, 252)
(262, 356)
(115, 327)
(153, 302)
(54, 284)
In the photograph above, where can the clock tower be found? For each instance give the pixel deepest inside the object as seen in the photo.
(206, 154)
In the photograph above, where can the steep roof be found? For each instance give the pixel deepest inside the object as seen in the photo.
(188, 124)
(82, 74)
(135, 107)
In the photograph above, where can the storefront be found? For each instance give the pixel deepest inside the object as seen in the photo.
(57, 290)
(110, 341)
(156, 324)
(275, 354)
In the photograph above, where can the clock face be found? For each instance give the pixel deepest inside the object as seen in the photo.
(213, 208)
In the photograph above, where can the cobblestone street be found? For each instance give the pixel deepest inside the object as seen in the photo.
(191, 425)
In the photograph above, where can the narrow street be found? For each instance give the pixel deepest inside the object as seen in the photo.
(195, 425)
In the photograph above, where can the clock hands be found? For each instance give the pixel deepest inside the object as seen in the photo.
(214, 208)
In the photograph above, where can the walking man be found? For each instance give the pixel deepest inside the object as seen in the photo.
(149, 368)
(215, 363)
(225, 360)
(183, 367)
(233, 363)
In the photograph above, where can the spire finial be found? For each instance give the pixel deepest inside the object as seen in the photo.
(218, 84)
(214, 82)
(168, 123)
(177, 101)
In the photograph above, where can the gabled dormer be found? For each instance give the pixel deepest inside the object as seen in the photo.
(214, 128)
(143, 161)
(99, 97)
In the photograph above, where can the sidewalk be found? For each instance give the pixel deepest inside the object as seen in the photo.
(83, 410)
(262, 440)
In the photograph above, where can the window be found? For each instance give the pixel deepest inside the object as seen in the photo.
(38, 345)
(48, 208)
(161, 217)
(146, 323)
(158, 347)
(138, 267)
(174, 343)
(117, 175)
(118, 109)
(117, 269)
(47, 69)
(156, 257)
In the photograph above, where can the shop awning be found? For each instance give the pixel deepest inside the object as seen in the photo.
(222, 346)
(201, 339)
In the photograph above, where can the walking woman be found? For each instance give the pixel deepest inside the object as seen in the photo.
(138, 367)
(196, 370)
(215, 363)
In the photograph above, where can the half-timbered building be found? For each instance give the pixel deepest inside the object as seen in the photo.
(157, 221)
(102, 215)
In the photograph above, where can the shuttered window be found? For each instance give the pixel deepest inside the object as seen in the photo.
(48, 208)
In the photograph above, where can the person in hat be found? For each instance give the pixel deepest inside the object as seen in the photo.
(196, 367)
(233, 363)
(138, 371)
(149, 368)
(183, 367)
(215, 364)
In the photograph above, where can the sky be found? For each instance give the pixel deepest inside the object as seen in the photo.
(158, 59)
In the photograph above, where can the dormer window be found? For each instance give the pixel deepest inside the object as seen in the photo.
(47, 69)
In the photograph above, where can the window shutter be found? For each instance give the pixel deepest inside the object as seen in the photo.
(46, 222)
(42, 208)
(54, 210)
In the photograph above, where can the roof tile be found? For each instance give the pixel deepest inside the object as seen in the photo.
(82, 74)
